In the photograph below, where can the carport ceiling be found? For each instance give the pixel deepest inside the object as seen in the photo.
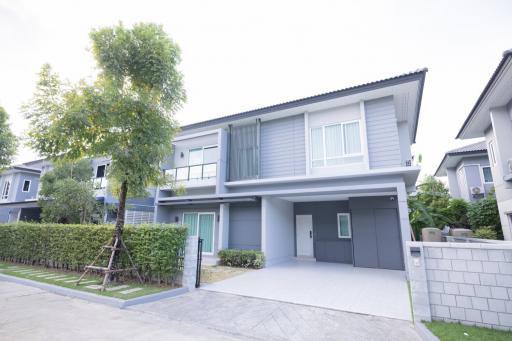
(333, 197)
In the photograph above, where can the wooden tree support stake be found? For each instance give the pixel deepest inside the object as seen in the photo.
(118, 245)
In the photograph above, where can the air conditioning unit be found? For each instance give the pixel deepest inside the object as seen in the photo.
(477, 190)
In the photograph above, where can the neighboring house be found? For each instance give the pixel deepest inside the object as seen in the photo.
(468, 171)
(491, 117)
(325, 177)
(19, 186)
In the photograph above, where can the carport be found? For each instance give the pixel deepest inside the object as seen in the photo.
(336, 286)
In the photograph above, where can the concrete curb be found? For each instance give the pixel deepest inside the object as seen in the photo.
(111, 301)
(424, 332)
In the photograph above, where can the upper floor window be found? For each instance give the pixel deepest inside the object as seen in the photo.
(26, 186)
(492, 153)
(336, 144)
(486, 171)
(5, 190)
(202, 155)
(101, 171)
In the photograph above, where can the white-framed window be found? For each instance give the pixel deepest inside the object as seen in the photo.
(336, 144)
(344, 228)
(202, 155)
(487, 174)
(26, 186)
(5, 189)
(101, 171)
(492, 154)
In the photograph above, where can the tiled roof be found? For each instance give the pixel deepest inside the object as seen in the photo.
(414, 75)
(474, 147)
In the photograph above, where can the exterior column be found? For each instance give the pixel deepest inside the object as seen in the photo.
(223, 226)
(190, 263)
(403, 216)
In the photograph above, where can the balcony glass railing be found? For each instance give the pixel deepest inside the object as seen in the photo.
(196, 172)
(100, 183)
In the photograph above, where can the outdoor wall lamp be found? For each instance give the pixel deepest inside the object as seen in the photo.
(176, 219)
(182, 155)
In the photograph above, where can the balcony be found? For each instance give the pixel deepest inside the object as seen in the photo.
(194, 176)
(100, 186)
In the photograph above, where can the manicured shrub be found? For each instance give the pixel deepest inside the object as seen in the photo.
(155, 249)
(484, 212)
(242, 258)
(486, 232)
(457, 213)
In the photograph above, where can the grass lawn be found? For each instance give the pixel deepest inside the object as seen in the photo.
(215, 273)
(67, 279)
(454, 331)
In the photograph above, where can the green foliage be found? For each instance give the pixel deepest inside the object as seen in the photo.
(484, 212)
(67, 194)
(8, 141)
(156, 249)
(428, 207)
(457, 213)
(127, 113)
(242, 258)
(486, 232)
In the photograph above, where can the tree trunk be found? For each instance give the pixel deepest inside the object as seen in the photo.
(118, 233)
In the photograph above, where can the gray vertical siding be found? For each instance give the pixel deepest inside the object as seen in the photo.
(382, 133)
(283, 151)
(245, 226)
(243, 152)
(327, 246)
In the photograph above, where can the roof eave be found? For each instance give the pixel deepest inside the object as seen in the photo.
(474, 111)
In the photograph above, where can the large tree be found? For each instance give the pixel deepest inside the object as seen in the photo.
(67, 194)
(7, 140)
(126, 113)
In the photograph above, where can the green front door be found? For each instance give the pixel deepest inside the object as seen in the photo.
(206, 221)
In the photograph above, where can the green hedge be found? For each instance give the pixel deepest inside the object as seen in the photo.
(242, 258)
(155, 249)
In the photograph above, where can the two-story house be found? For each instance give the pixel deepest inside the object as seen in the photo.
(468, 171)
(491, 117)
(19, 186)
(324, 177)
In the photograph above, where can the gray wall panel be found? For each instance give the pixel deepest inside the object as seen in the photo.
(382, 133)
(245, 226)
(283, 150)
(328, 247)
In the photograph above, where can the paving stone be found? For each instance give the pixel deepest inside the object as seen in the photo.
(67, 278)
(55, 277)
(88, 282)
(466, 290)
(496, 255)
(487, 279)
(464, 254)
(71, 280)
(490, 317)
(457, 313)
(119, 287)
(497, 305)
(499, 292)
(459, 265)
(464, 302)
(474, 266)
(479, 254)
(505, 268)
(94, 286)
(479, 303)
(436, 287)
(482, 291)
(456, 276)
(505, 319)
(129, 291)
(491, 267)
(451, 288)
(471, 278)
(448, 300)
(473, 315)
(430, 263)
(45, 275)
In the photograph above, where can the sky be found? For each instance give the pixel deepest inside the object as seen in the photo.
(242, 55)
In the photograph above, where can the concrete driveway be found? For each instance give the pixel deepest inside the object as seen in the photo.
(328, 285)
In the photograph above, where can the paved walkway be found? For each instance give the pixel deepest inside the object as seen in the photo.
(28, 313)
(272, 320)
(328, 285)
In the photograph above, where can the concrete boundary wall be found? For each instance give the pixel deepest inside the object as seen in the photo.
(470, 283)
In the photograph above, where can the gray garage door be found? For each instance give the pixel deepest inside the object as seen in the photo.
(376, 238)
(245, 226)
